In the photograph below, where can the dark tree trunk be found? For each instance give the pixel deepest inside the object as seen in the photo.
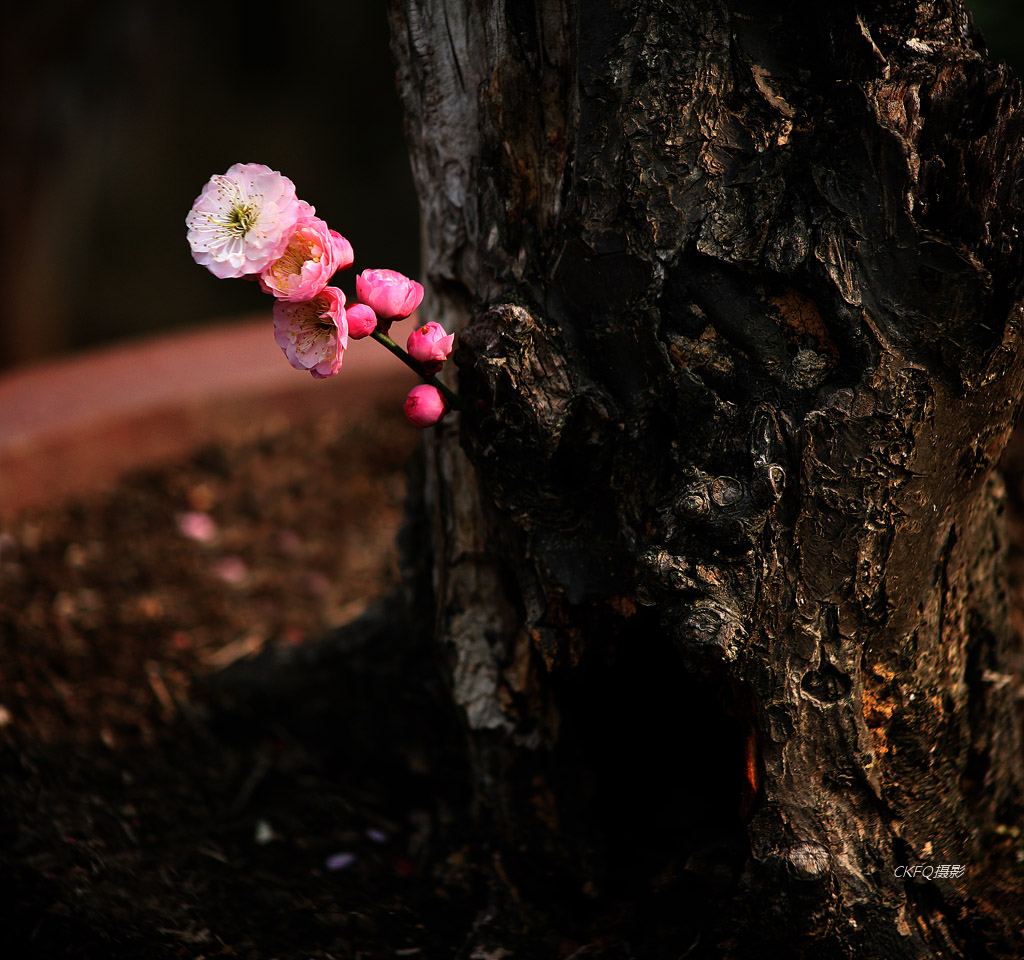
(719, 566)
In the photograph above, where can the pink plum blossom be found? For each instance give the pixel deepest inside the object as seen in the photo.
(313, 333)
(425, 405)
(231, 569)
(313, 255)
(430, 346)
(340, 861)
(362, 321)
(243, 219)
(196, 525)
(389, 294)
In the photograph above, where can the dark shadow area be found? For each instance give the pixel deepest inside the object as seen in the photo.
(652, 763)
(307, 803)
(1002, 24)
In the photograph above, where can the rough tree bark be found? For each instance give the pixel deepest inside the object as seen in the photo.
(719, 565)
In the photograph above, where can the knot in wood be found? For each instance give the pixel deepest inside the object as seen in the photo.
(692, 506)
(808, 860)
(514, 319)
(711, 626)
(659, 562)
(726, 491)
(809, 370)
(665, 571)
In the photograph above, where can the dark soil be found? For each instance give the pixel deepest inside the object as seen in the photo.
(194, 760)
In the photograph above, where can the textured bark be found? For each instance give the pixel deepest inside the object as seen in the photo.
(719, 566)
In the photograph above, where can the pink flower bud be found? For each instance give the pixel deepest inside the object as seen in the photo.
(389, 294)
(362, 321)
(425, 405)
(430, 345)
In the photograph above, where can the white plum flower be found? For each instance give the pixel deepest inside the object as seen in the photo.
(243, 220)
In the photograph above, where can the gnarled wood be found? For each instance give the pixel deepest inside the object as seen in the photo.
(720, 567)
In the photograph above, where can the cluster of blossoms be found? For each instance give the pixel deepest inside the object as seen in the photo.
(248, 222)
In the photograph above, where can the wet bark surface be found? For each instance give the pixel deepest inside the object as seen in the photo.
(719, 562)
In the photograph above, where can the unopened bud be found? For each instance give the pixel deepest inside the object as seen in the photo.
(362, 321)
(430, 346)
(425, 405)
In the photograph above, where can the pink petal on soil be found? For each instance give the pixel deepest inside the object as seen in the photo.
(196, 526)
(340, 861)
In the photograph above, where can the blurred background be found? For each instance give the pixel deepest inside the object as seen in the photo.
(116, 114)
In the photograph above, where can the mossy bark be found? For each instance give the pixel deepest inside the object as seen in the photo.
(719, 565)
